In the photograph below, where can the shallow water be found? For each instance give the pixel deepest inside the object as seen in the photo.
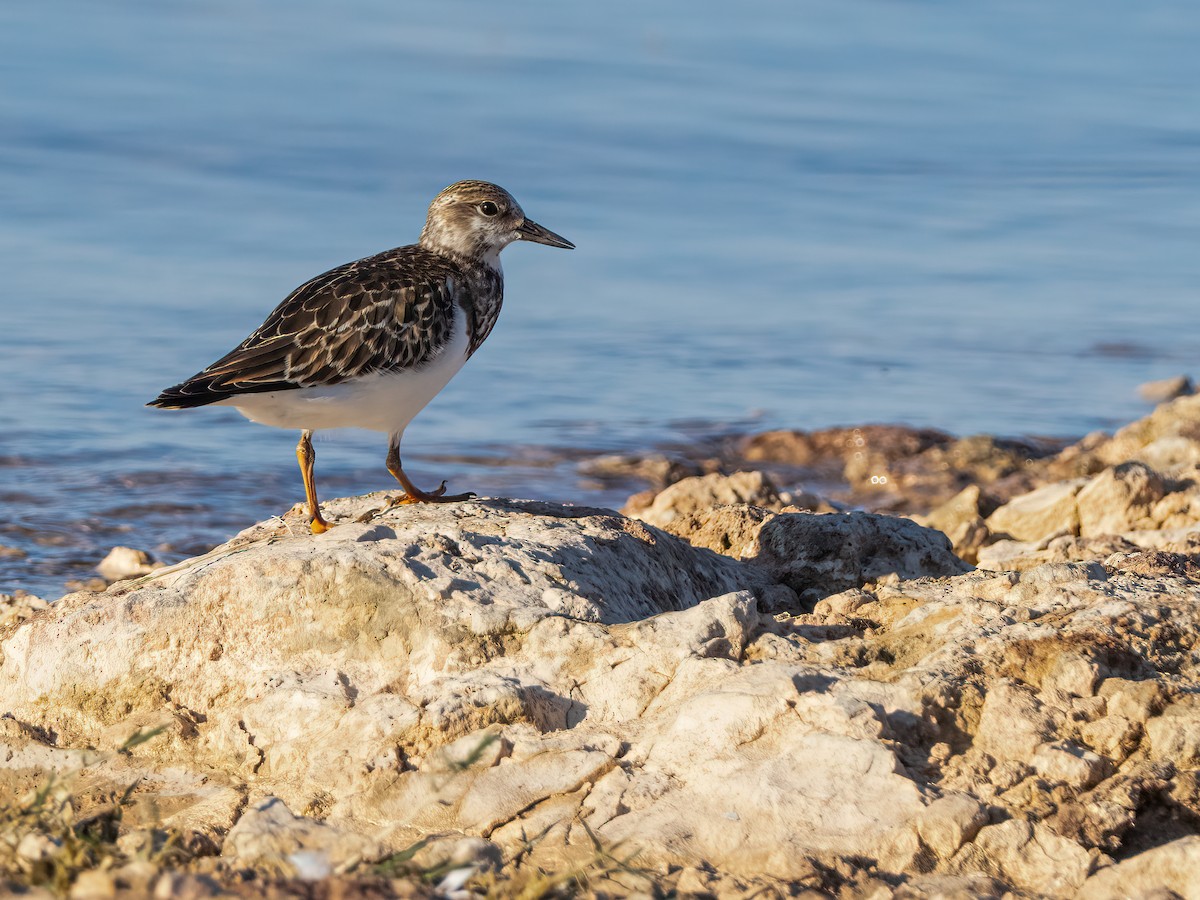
(981, 219)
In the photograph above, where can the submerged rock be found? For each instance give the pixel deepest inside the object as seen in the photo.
(899, 468)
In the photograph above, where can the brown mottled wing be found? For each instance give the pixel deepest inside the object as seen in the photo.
(382, 313)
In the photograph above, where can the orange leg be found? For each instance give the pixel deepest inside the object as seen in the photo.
(307, 458)
(412, 493)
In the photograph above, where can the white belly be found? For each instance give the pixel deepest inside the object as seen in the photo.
(384, 401)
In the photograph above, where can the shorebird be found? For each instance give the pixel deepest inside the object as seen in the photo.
(370, 343)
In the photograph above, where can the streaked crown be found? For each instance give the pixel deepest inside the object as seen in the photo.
(475, 220)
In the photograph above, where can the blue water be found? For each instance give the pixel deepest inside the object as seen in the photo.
(981, 218)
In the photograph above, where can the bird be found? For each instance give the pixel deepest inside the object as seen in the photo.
(370, 343)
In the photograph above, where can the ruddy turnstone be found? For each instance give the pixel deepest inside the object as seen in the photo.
(370, 343)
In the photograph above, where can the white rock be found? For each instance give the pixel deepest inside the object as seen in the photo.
(485, 672)
(1041, 513)
(1072, 765)
(17, 608)
(35, 846)
(1119, 499)
(126, 562)
(818, 554)
(1014, 722)
(94, 884)
(951, 821)
(1136, 701)
(702, 492)
(732, 771)
(1170, 870)
(1175, 735)
(1171, 452)
(270, 834)
(1031, 857)
(1165, 389)
(1073, 676)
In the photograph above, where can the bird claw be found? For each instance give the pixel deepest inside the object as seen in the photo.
(436, 496)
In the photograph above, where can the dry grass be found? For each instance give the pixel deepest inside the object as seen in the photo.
(606, 872)
(48, 842)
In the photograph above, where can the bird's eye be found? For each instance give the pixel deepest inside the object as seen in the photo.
(488, 208)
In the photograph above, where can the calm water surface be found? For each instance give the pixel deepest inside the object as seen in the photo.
(803, 214)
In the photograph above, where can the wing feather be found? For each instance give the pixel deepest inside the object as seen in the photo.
(386, 312)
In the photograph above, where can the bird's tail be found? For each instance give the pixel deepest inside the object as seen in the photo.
(187, 395)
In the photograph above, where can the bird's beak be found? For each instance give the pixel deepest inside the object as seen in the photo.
(530, 230)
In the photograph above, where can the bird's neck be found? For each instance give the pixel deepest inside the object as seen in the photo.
(464, 247)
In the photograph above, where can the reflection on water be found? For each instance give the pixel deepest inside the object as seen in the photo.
(807, 213)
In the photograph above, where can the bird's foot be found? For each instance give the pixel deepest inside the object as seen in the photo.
(416, 495)
(319, 525)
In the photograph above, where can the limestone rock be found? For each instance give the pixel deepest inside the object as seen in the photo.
(95, 884)
(760, 736)
(1171, 870)
(952, 887)
(820, 554)
(1031, 857)
(1069, 764)
(1127, 502)
(704, 492)
(950, 822)
(824, 554)
(19, 607)
(846, 447)
(126, 562)
(1119, 499)
(271, 835)
(1136, 701)
(476, 674)
(1166, 389)
(1014, 723)
(896, 467)
(1049, 510)
(1175, 735)
(1166, 437)
(258, 641)
(1020, 556)
(656, 468)
(961, 519)
(728, 530)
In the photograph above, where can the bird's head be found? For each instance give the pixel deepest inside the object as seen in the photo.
(476, 220)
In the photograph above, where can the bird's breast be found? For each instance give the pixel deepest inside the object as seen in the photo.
(483, 306)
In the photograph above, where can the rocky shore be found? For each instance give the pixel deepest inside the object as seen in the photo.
(870, 662)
